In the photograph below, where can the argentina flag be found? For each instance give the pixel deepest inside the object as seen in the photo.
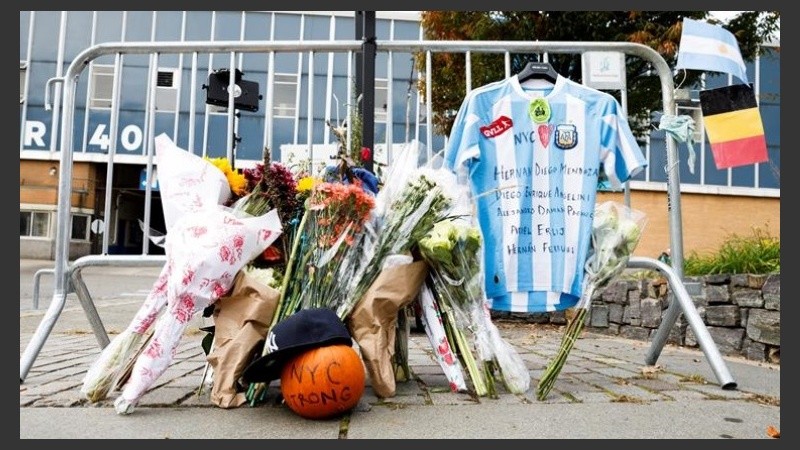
(709, 47)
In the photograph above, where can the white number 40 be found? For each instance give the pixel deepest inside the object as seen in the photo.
(131, 137)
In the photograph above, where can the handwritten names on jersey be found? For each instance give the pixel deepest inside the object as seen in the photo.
(536, 207)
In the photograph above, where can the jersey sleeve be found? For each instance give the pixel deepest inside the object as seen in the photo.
(620, 153)
(462, 144)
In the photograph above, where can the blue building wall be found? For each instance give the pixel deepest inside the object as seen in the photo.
(226, 25)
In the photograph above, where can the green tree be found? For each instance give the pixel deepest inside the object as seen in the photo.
(660, 30)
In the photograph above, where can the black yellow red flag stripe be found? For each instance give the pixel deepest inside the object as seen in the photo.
(733, 126)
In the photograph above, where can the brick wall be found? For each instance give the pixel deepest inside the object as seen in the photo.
(708, 220)
(38, 187)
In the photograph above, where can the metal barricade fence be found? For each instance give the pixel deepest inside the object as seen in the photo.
(67, 276)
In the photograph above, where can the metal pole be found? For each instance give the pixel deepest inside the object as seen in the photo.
(230, 153)
(369, 48)
(359, 63)
(627, 186)
(684, 302)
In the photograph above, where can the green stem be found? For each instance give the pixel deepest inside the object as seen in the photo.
(255, 389)
(465, 352)
(550, 374)
(289, 269)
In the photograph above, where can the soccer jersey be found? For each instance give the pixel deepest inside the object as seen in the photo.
(533, 157)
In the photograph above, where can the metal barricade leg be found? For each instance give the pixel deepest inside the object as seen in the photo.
(74, 281)
(40, 335)
(683, 304)
(36, 278)
(89, 308)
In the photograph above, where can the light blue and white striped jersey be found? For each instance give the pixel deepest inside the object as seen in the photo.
(533, 157)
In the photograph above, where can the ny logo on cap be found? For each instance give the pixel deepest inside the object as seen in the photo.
(271, 344)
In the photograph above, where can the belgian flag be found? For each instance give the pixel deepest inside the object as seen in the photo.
(733, 125)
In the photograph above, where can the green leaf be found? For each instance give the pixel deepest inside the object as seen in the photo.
(206, 343)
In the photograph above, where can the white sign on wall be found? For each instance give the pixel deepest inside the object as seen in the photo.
(604, 70)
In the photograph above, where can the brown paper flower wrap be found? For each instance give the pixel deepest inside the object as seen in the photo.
(373, 321)
(241, 321)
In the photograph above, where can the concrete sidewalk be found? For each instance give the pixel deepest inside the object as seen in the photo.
(603, 391)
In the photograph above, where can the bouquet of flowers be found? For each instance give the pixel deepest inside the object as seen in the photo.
(399, 224)
(206, 246)
(334, 217)
(380, 274)
(452, 250)
(616, 230)
(433, 323)
(315, 275)
(270, 185)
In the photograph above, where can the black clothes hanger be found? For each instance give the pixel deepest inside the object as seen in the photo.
(537, 71)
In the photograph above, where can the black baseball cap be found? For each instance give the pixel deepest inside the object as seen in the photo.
(303, 330)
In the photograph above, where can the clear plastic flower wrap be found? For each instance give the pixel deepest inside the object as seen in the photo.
(452, 249)
(616, 230)
(440, 343)
(402, 217)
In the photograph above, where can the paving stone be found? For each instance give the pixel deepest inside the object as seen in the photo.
(452, 398)
(421, 398)
(554, 396)
(655, 384)
(28, 400)
(685, 394)
(410, 387)
(571, 385)
(190, 381)
(632, 393)
(616, 372)
(506, 399)
(62, 399)
(592, 397)
(53, 387)
(714, 391)
(164, 396)
(204, 400)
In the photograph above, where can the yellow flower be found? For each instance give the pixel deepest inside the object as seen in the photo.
(236, 180)
(306, 184)
(220, 163)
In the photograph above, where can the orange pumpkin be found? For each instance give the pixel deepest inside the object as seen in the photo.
(323, 382)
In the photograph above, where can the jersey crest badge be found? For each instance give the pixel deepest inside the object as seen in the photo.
(566, 136)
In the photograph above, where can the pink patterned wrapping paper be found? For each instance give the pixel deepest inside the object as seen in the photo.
(205, 250)
(206, 245)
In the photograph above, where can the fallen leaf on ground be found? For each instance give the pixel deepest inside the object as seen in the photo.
(651, 370)
(773, 432)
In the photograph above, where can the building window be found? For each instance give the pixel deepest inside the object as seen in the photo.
(80, 227)
(381, 99)
(167, 85)
(23, 69)
(34, 224)
(102, 86)
(285, 94)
